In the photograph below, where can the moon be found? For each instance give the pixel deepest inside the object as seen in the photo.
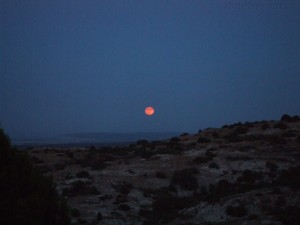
(149, 111)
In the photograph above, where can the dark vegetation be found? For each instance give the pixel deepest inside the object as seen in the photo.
(160, 175)
(236, 211)
(203, 140)
(185, 179)
(167, 204)
(207, 157)
(27, 197)
(80, 188)
(165, 208)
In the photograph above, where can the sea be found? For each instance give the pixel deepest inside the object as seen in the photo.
(97, 139)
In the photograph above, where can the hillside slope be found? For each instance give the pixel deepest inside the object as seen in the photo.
(238, 174)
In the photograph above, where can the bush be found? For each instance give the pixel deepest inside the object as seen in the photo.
(289, 119)
(221, 189)
(290, 177)
(281, 126)
(27, 197)
(174, 140)
(142, 142)
(75, 212)
(290, 215)
(160, 175)
(124, 188)
(271, 166)
(214, 165)
(286, 118)
(83, 174)
(165, 208)
(241, 130)
(202, 159)
(233, 137)
(124, 207)
(276, 140)
(203, 140)
(70, 154)
(60, 166)
(249, 176)
(99, 216)
(236, 211)
(120, 199)
(185, 179)
(80, 188)
(265, 126)
(296, 118)
(289, 134)
(215, 135)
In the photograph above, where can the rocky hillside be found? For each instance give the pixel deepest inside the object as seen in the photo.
(240, 174)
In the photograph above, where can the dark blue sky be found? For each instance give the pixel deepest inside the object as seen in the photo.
(87, 66)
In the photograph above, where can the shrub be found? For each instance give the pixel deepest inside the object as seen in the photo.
(241, 130)
(68, 176)
(276, 140)
(27, 197)
(265, 126)
(271, 166)
(281, 126)
(174, 140)
(286, 118)
(105, 197)
(142, 142)
(80, 188)
(124, 207)
(202, 159)
(36, 160)
(214, 165)
(60, 166)
(120, 199)
(215, 135)
(99, 216)
(165, 208)
(75, 212)
(83, 174)
(219, 190)
(290, 177)
(210, 154)
(70, 154)
(185, 179)
(160, 175)
(290, 215)
(289, 134)
(203, 140)
(296, 118)
(249, 176)
(233, 137)
(124, 188)
(236, 211)
(82, 221)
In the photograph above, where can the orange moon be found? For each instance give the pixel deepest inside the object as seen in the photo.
(149, 111)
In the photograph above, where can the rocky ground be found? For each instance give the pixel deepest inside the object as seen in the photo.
(239, 174)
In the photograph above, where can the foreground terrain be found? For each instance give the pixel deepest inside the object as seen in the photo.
(239, 174)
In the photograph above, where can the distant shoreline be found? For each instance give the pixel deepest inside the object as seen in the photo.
(92, 139)
(71, 145)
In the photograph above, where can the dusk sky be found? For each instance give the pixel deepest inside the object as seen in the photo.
(93, 66)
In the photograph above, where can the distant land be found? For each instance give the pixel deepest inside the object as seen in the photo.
(93, 138)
